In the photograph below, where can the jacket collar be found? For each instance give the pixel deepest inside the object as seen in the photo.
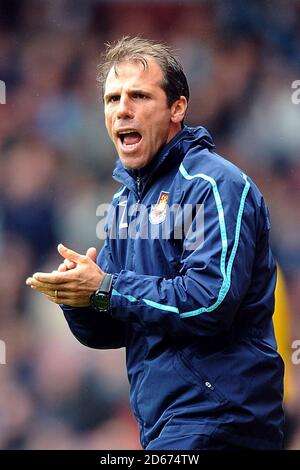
(167, 157)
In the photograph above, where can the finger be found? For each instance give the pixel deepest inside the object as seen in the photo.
(47, 292)
(52, 278)
(70, 254)
(62, 268)
(44, 285)
(56, 294)
(70, 264)
(28, 281)
(72, 302)
(92, 254)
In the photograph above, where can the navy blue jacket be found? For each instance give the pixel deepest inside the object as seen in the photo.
(195, 318)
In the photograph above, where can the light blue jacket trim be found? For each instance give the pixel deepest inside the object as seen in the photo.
(167, 308)
(119, 192)
(226, 273)
(128, 297)
(219, 209)
(227, 277)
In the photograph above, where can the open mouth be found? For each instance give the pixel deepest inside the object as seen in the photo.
(129, 138)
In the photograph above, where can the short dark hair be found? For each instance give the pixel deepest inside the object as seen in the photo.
(138, 49)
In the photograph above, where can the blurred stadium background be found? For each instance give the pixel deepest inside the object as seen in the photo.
(55, 168)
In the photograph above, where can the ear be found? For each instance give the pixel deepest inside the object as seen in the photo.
(178, 110)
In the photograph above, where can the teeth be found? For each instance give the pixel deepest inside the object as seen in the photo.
(127, 132)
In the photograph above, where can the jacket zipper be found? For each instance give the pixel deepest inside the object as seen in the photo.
(139, 186)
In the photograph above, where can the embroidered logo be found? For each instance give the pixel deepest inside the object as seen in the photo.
(159, 210)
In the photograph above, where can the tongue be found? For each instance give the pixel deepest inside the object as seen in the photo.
(132, 138)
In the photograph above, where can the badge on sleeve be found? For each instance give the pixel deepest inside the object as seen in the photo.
(159, 210)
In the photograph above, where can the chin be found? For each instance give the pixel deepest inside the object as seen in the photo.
(133, 163)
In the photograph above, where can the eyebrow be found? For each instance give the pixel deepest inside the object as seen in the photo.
(130, 91)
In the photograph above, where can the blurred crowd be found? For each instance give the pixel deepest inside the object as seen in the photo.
(55, 169)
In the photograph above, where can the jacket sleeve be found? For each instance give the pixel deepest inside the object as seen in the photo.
(95, 329)
(92, 328)
(203, 298)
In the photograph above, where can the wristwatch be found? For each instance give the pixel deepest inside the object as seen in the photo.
(100, 299)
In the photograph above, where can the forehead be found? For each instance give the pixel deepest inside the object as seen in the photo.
(134, 74)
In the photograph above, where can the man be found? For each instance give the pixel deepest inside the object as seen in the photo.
(195, 318)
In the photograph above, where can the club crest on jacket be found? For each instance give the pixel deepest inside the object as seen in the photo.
(159, 210)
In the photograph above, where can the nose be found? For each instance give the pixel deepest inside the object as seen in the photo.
(125, 110)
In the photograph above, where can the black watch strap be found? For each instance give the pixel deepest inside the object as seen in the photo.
(106, 284)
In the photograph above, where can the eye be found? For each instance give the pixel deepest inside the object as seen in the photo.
(113, 98)
(139, 95)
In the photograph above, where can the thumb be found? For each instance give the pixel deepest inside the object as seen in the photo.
(92, 254)
(69, 254)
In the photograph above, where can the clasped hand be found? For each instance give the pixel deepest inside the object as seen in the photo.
(73, 282)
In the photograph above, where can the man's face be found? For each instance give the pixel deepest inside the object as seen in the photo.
(137, 116)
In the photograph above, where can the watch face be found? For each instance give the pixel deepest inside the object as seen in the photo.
(100, 301)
